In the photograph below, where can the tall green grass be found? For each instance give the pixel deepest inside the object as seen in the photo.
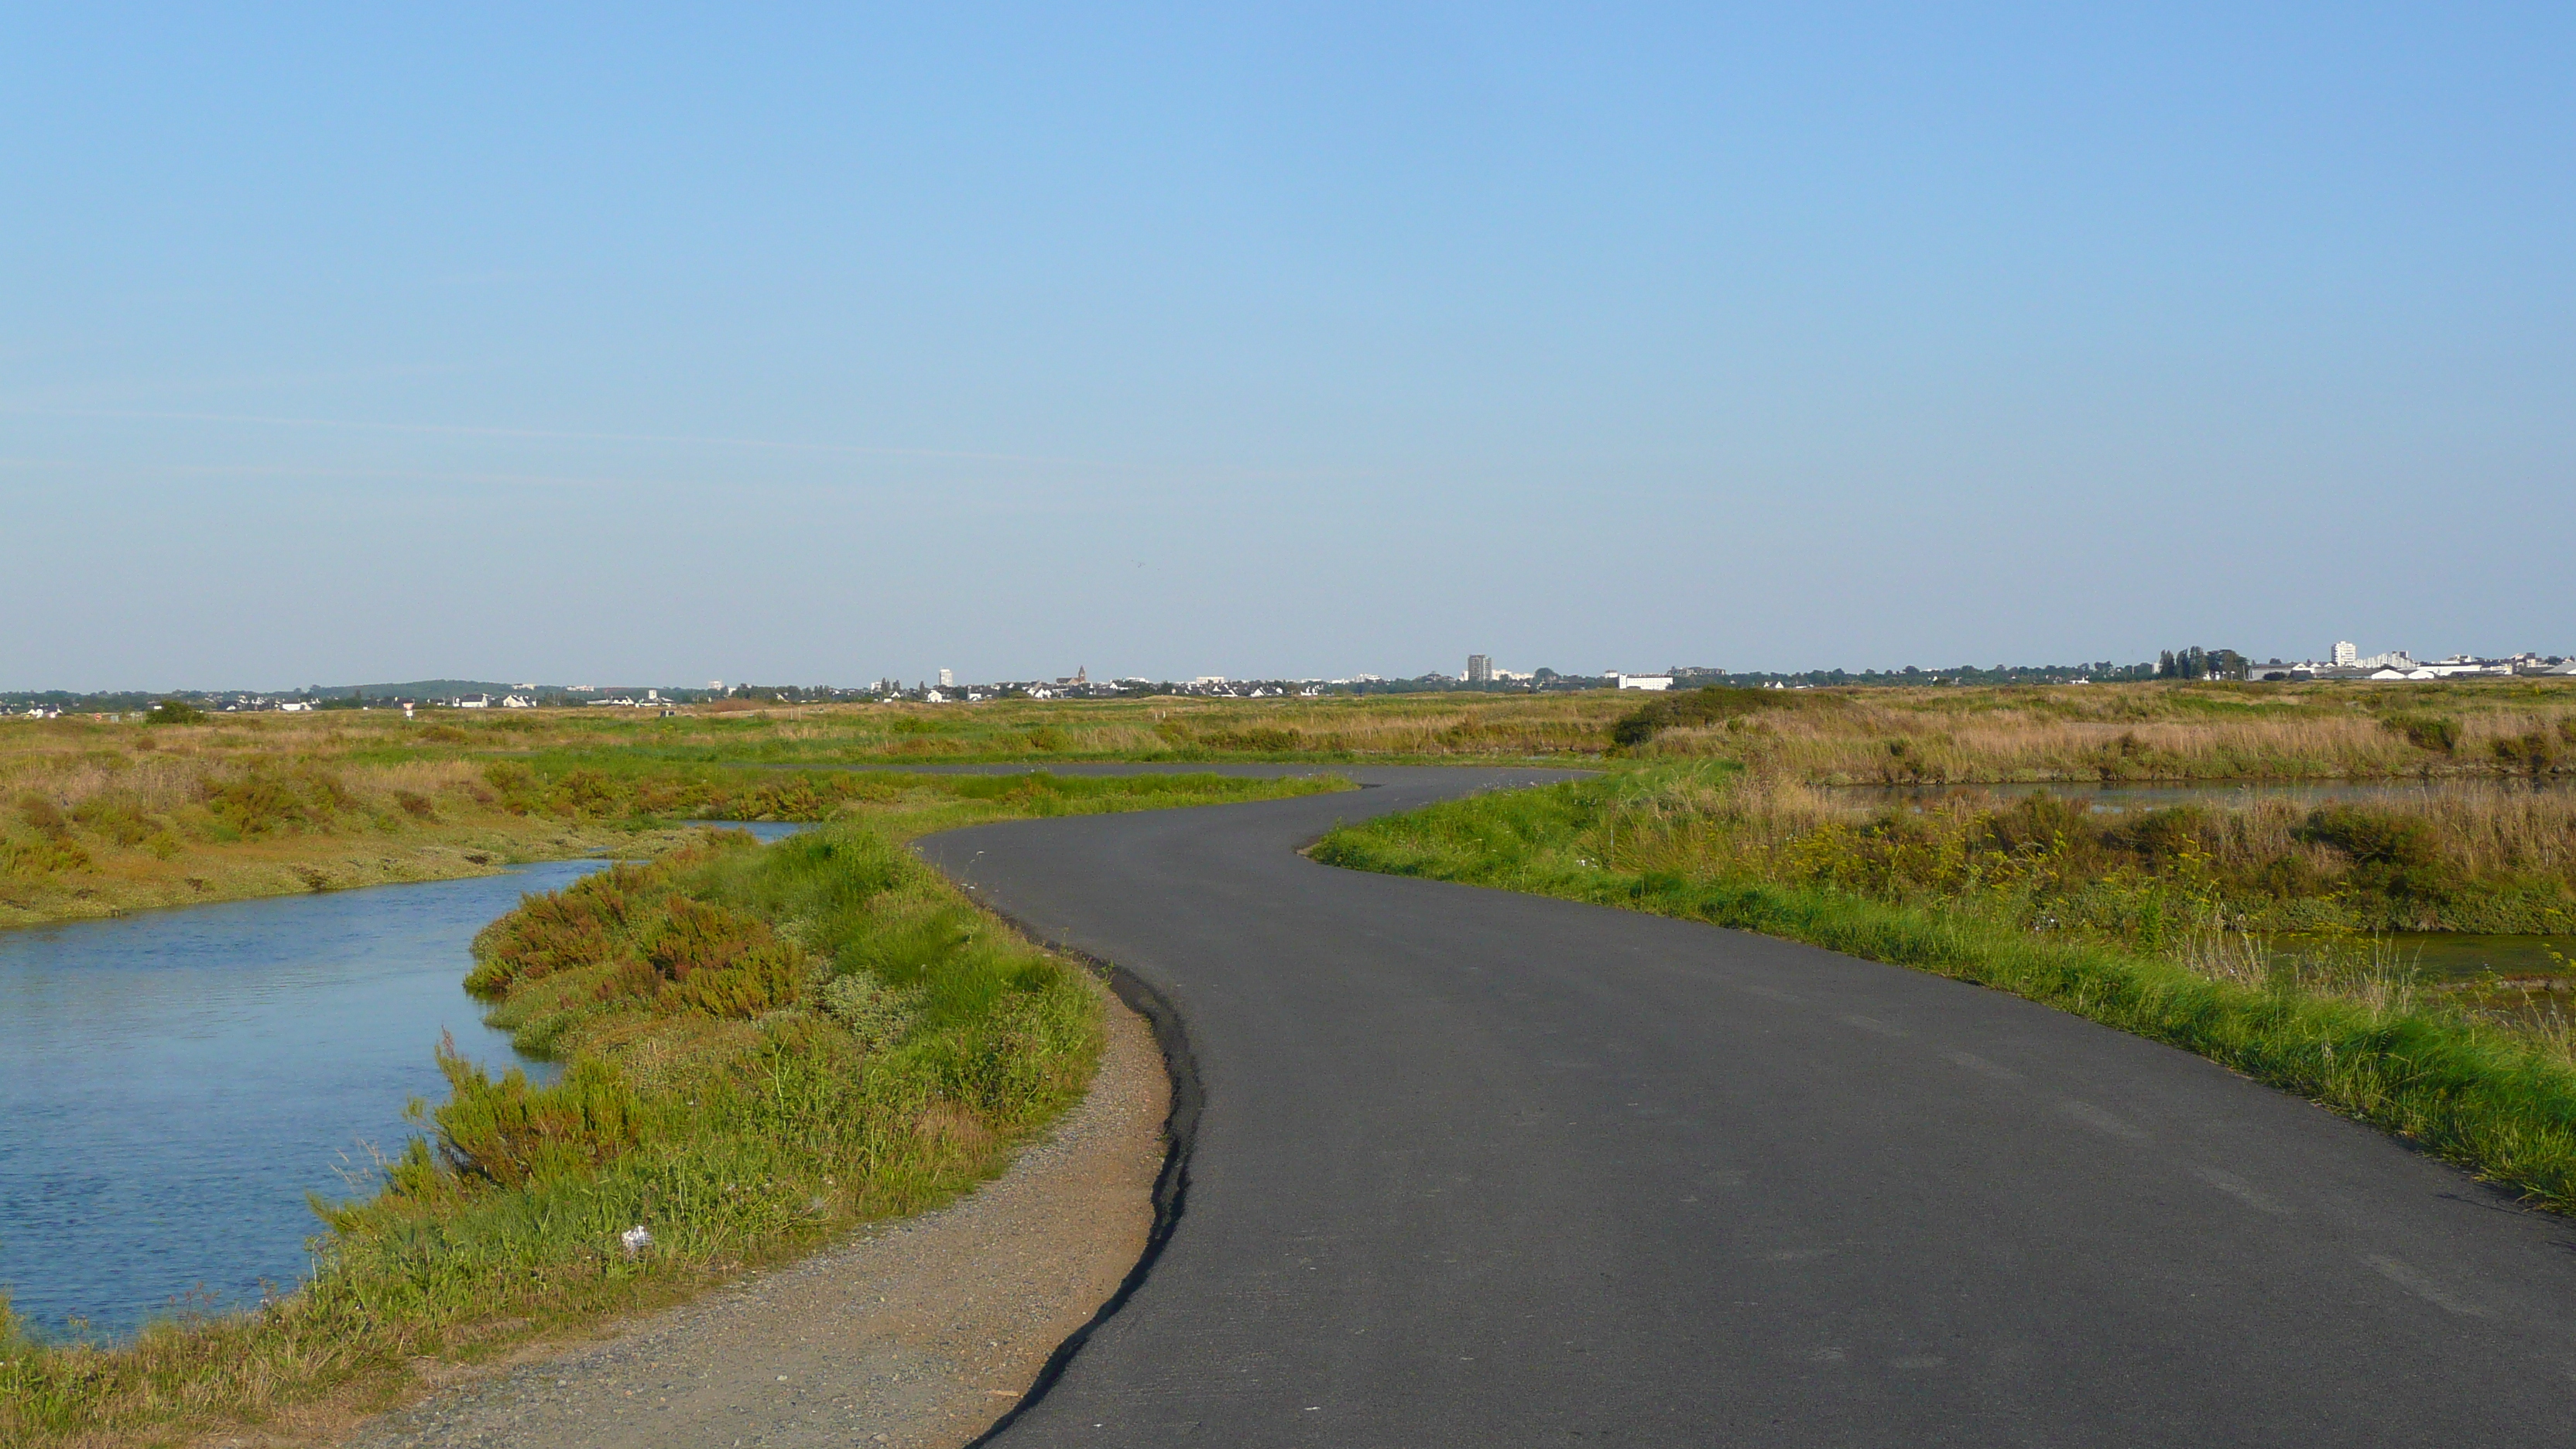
(2498, 1101)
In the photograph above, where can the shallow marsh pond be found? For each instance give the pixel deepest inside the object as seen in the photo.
(174, 1082)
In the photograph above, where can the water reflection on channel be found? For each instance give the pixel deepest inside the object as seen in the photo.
(173, 1083)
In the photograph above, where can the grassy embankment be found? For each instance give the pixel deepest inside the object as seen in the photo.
(763, 1048)
(2127, 922)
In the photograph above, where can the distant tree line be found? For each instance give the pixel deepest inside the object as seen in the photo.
(2198, 663)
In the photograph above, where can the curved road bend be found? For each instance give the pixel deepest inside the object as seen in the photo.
(1477, 1168)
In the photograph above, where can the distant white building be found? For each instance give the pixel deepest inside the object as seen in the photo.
(2345, 654)
(948, 679)
(1641, 681)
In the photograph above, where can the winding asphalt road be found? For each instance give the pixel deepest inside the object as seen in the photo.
(1476, 1168)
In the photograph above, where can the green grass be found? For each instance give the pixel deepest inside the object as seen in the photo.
(763, 1048)
(2498, 1101)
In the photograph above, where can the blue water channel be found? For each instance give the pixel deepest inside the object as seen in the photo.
(173, 1083)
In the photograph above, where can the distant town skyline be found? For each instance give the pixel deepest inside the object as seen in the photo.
(2341, 659)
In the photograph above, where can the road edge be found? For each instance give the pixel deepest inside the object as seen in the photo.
(1171, 1185)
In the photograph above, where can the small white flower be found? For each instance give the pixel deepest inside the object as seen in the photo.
(635, 1240)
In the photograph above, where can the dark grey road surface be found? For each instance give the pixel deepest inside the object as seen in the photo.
(1485, 1169)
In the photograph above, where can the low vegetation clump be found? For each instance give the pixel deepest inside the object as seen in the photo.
(2137, 922)
(1715, 705)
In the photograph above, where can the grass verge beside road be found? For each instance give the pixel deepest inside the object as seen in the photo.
(2496, 1096)
(763, 1047)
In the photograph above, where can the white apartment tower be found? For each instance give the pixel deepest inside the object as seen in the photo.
(1480, 669)
(2345, 655)
(948, 679)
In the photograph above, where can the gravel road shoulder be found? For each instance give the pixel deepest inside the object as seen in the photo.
(920, 1334)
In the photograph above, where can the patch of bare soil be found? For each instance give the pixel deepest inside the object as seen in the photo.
(919, 1334)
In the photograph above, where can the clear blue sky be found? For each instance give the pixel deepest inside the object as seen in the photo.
(790, 345)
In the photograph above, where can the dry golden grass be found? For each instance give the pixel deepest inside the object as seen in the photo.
(2136, 732)
(1706, 827)
(97, 822)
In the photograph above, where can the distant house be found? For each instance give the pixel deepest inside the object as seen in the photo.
(1642, 681)
(517, 701)
(294, 706)
(475, 701)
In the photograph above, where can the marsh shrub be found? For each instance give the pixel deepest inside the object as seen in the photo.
(1711, 705)
(2534, 752)
(585, 924)
(119, 820)
(507, 1133)
(267, 800)
(2437, 732)
(42, 856)
(43, 816)
(761, 978)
